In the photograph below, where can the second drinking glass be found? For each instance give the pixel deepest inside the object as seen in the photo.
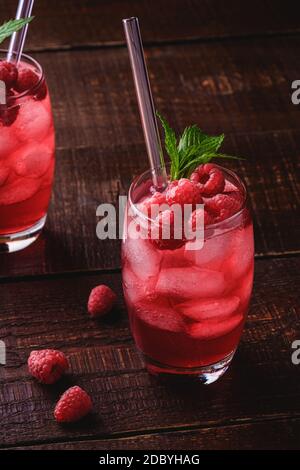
(26, 156)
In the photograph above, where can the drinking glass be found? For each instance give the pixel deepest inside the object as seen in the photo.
(27, 147)
(187, 307)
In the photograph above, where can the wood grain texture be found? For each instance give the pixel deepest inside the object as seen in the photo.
(267, 435)
(86, 177)
(73, 23)
(229, 87)
(262, 383)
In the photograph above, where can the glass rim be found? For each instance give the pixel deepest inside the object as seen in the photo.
(37, 65)
(217, 225)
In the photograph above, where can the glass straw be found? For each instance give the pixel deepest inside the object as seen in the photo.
(145, 101)
(18, 39)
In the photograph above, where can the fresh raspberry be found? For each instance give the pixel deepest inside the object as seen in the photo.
(8, 73)
(224, 205)
(27, 79)
(8, 114)
(101, 300)
(210, 179)
(156, 199)
(196, 217)
(73, 405)
(182, 192)
(162, 227)
(47, 365)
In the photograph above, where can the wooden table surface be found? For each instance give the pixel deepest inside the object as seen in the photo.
(229, 69)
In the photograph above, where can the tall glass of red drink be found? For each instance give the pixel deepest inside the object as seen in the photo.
(187, 307)
(26, 155)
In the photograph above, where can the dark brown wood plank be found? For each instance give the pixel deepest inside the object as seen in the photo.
(268, 435)
(86, 177)
(72, 23)
(227, 87)
(271, 176)
(262, 383)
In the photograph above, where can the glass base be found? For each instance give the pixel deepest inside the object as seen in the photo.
(20, 240)
(205, 374)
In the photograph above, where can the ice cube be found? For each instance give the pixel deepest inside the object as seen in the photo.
(211, 255)
(143, 257)
(33, 122)
(174, 259)
(134, 289)
(32, 161)
(190, 283)
(242, 252)
(209, 330)
(18, 190)
(244, 289)
(220, 309)
(160, 316)
(8, 142)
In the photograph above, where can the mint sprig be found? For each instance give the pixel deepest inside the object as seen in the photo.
(12, 26)
(193, 148)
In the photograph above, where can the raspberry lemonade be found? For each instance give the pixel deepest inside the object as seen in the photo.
(26, 153)
(187, 302)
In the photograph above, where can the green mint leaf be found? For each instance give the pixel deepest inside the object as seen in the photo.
(211, 144)
(11, 26)
(191, 136)
(194, 137)
(194, 148)
(170, 145)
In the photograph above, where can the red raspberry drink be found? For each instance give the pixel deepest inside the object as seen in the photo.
(187, 304)
(26, 153)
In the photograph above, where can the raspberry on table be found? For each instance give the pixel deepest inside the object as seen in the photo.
(225, 205)
(101, 300)
(47, 365)
(209, 178)
(73, 405)
(8, 73)
(182, 192)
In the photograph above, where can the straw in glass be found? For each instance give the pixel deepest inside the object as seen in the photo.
(145, 101)
(18, 39)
